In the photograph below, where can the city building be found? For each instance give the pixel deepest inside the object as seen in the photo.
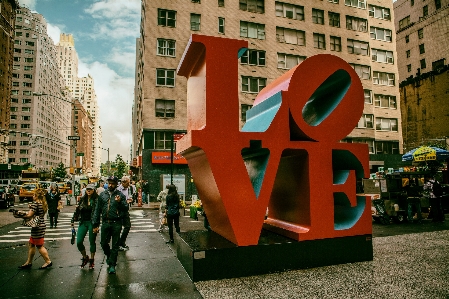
(84, 129)
(83, 90)
(422, 42)
(40, 112)
(280, 35)
(7, 23)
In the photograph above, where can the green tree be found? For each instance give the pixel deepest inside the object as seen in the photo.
(60, 171)
(120, 166)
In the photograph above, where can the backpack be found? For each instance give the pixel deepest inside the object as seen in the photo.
(437, 189)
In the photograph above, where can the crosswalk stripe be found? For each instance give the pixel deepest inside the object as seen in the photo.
(139, 224)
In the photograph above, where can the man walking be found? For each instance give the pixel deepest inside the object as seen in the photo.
(112, 207)
(128, 191)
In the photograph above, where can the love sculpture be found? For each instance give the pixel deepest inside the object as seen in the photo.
(286, 158)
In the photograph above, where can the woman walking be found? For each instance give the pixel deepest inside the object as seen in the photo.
(172, 206)
(53, 197)
(38, 208)
(83, 213)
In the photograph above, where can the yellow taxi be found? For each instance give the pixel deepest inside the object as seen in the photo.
(62, 187)
(27, 191)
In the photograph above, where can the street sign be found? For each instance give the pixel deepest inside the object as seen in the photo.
(73, 137)
(80, 154)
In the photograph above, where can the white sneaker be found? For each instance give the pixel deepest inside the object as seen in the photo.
(123, 248)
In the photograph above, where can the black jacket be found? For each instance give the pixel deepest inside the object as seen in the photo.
(52, 202)
(108, 208)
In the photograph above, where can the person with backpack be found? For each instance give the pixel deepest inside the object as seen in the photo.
(434, 192)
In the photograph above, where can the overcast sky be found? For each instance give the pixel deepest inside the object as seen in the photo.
(105, 33)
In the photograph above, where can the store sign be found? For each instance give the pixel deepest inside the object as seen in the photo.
(288, 156)
(165, 158)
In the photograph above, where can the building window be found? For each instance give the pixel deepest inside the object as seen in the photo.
(26, 101)
(422, 62)
(356, 3)
(11, 160)
(13, 109)
(166, 47)
(409, 68)
(16, 59)
(28, 67)
(422, 50)
(29, 59)
(318, 16)
(425, 11)
(387, 147)
(379, 12)
(382, 56)
(290, 11)
(28, 76)
(166, 18)
(290, 36)
(15, 84)
(221, 25)
(253, 84)
(364, 71)
(252, 30)
(420, 33)
(28, 43)
(380, 34)
(382, 78)
(195, 22)
(385, 101)
(24, 152)
(334, 19)
(407, 38)
(29, 51)
(358, 47)
(25, 126)
(319, 41)
(412, 2)
(437, 4)
(386, 124)
(16, 67)
(14, 100)
(368, 96)
(162, 140)
(243, 109)
(356, 24)
(165, 108)
(26, 109)
(196, 1)
(26, 84)
(165, 77)
(221, 3)
(17, 50)
(407, 53)
(335, 43)
(13, 117)
(13, 126)
(366, 121)
(24, 142)
(287, 61)
(404, 22)
(257, 6)
(26, 117)
(253, 57)
(436, 65)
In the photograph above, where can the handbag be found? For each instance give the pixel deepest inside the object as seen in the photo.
(32, 222)
(164, 219)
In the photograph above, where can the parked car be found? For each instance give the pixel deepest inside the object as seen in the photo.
(45, 184)
(27, 191)
(62, 188)
(6, 198)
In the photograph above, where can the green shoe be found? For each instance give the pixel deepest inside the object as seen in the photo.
(111, 269)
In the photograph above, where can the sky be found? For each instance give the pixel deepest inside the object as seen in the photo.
(105, 33)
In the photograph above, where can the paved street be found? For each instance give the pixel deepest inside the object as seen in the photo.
(410, 261)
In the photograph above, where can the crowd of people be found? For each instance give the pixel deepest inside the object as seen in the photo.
(104, 208)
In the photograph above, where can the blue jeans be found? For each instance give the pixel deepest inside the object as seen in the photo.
(83, 228)
(144, 197)
(111, 231)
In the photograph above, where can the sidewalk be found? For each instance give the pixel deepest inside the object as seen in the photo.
(405, 266)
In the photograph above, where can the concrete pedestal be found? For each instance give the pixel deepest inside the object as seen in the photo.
(208, 256)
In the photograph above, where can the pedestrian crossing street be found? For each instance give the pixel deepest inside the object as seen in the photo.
(139, 224)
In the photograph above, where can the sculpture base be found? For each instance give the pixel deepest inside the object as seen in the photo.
(208, 256)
